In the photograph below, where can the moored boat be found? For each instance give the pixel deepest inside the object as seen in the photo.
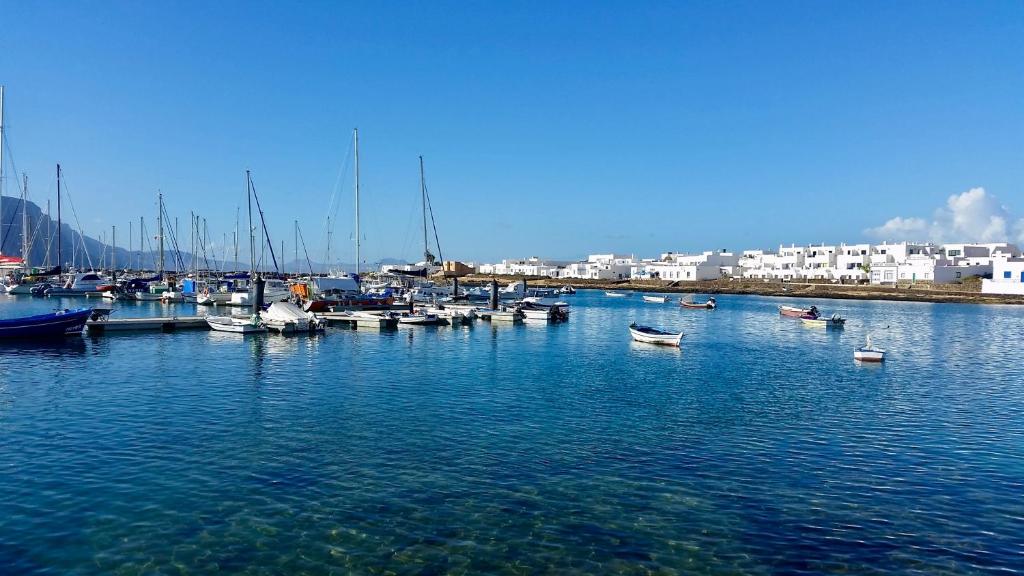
(710, 304)
(832, 322)
(656, 299)
(795, 312)
(617, 294)
(868, 353)
(567, 290)
(651, 335)
(287, 318)
(250, 325)
(52, 325)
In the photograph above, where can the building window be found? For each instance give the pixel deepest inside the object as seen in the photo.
(954, 253)
(957, 274)
(888, 275)
(883, 251)
(1006, 274)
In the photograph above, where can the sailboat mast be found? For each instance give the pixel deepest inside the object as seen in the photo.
(236, 236)
(160, 230)
(1, 162)
(24, 221)
(113, 248)
(48, 233)
(60, 263)
(252, 242)
(355, 135)
(142, 238)
(423, 198)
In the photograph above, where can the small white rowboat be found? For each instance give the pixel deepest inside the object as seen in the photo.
(237, 325)
(656, 299)
(654, 336)
(868, 353)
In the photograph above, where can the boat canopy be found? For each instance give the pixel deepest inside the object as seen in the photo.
(342, 284)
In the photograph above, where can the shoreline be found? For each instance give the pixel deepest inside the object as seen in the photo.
(922, 293)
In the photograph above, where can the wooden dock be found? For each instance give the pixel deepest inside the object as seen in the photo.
(156, 324)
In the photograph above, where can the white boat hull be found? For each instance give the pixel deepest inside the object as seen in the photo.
(656, 299)
(236, 325)
(662, 339)
(869, 355)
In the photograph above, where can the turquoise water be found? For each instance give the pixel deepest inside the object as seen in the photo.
(760, 447)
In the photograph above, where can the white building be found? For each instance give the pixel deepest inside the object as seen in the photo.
(601, 267)
(819, 262)
(852, 261)
(675, 266)
(1007, 277)
(532, 266)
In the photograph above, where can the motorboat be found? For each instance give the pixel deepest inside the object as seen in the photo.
(832, 322)
(795, 312)
(617, 294)
(656, 299)
(420, 318)
(81, 284)
(567, 290)
(710, 304)
(53, 325)
(287, 318)
(239, 325)
(651, 335)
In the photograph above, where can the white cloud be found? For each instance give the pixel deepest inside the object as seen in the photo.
(899, 228)
(972, 216)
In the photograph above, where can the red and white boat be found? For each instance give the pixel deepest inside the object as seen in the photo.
(794, 312)
(689, 303)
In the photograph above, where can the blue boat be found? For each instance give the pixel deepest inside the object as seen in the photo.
(52, 325)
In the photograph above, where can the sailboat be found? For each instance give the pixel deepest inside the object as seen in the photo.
(241, 324)
(155, 290)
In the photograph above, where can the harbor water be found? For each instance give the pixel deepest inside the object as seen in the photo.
(759, 447)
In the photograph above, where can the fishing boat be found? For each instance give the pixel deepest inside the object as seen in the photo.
(710, 304)
(818, 322)
(239, 325)
(656, 299)
(795, 312)
(654, 336)
(617, 294)
(52, 325)
(868, 353)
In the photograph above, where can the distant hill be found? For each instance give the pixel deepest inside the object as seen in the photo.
(85, 251)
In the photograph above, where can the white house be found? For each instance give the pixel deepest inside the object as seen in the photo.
(851, 261)
(819, 262)
(1007, 277)
(601, 267)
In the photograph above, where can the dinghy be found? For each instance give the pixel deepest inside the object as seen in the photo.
(239, 325)
(689, 303)
(656, 299)
(795, 312)
(868, 353)
(616, 294)
(834, 322)
(654, 336)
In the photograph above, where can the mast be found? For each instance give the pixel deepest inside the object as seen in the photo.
(296, 248)
(252, 242)
(24, 221)
(129, 244)
(113, 249)
(355, 136)
(1, 162)
(235, 265)
(60, 263)
(423, 194)
(48, 233)
(142, 239)
(160, 231)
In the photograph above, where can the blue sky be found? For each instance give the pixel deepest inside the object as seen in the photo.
(550, 129)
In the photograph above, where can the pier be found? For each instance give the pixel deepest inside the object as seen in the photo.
(158, 324)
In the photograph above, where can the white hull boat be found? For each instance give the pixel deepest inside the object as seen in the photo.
(418, 319)
(868, 353)
(656, 299)
(250, 325)
(287, 318)
(616, 294)
(654, 336)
